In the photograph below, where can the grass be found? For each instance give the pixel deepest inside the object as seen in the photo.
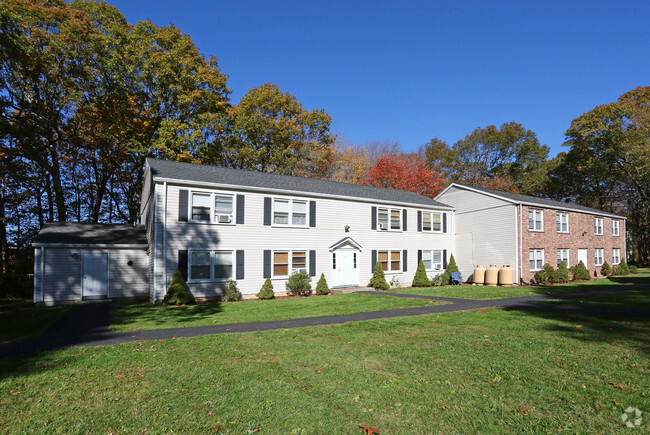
(487, 371)
(21, 320)
(134, 317)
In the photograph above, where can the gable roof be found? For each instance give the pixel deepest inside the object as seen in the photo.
(216, 175)
(517, 198)
(87, 234)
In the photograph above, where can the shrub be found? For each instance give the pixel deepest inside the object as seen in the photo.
(561, 275)
(299, 284)
(546, 275)
(231, 292)
(178, 292)
(421, 279)
(436, 280)
(633, 268)
(321, 286)
(623, 268)
(266, 292)
(606, 269)
(445, 278)
(580, 272)
(16, 285)
(378, 280)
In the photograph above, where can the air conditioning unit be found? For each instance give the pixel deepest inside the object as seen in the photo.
(383, 226)
(224, 218)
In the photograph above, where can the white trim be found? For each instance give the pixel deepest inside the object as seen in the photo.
(602, 257)
(432, 212)
(90, 246)
(517, 246)
(389, 271)
(536, 250)
(541, 213)
(568, 256)
(601, 226)
(346, 241)
(619, 256)
(401, 219)
(290, 262)
(211, 265)
(290, 213)
(164, 230)
(212, 212)
(431, 251)
(557, 216)
(42, 274)
(154, 296)
(616, 224)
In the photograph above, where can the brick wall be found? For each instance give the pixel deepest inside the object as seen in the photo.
(581, 235)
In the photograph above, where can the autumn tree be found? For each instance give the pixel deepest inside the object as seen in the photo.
(404, 172)
(352, 164)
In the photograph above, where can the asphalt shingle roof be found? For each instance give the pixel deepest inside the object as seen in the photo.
(79, 233)
(542, 202)
(264, 180)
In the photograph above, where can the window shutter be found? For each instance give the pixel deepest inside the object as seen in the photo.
(312, 214)
(239, 258)
(182, 263)
(240, 209)
(267, 214)
(404, 260)
(312, 263)
(267, 264)
(373, 259)
(419, 221)
(183, 199)
(444, 258)
(419, 256)
(444, 222)
(373, 219)
(404, 220)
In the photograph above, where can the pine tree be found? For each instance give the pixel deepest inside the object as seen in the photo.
(266, 292)
(421, 279)
(378, 280)
(321, 286)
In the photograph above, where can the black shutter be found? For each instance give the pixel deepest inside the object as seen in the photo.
(239, 259)
(267, 264)
(373, 259)
(312, 263)
(404, 260)
(267, 212)
(182, 262)
(240, 209)
(183, 198)
(312, 214)
(403, 220)
(444, 258)
(419, 221)
(419, 256)
(444, 222)
(373, 218)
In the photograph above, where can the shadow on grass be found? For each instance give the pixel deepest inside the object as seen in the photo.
(126, 314)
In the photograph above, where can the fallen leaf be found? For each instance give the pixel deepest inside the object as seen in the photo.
(488, 344)
(523, 410)
(209, 403)
(119, 375)
(210, 413)
(173, 338)
(263, 353)
(257, 429)
(583, 386)
(304, 389)
(617, 385)
(319, 371)
(16, 393)
(445, 407)
(139, 374)
(216, 429)
(579, 326)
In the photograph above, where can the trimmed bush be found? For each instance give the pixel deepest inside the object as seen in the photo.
(445, 278)
(561, 275)
(299, 284)
(437, 280)
(546, 275)
(606, 269)
(178, 292)
(321, 286)
(633, 268)
(231, 292)
(421, 279)
(378, 280)
(623, 268)
(580, 272)
(266, 292)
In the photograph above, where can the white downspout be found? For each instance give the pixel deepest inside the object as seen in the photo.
(521, 244)
(155, 240)
(165, 236)
(517, 247)
(42, 274)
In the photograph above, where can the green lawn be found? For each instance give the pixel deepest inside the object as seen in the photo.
(487, 371)
(21, 320)
(134, 317)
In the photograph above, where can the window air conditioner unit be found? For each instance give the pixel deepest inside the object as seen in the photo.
(382, 226)
(224, 218)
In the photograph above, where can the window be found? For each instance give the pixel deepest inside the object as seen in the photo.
(536, 259)
(599, 257)
(389, 219)
(432, 259)
(390, 260)
(290, 212)
(288, 262)
(431, 221)
(536, 220)
(616, 256)
(205, 204)
(211, 265)
(598, 227)
(563, 257)
(616, 228)
(562, 222)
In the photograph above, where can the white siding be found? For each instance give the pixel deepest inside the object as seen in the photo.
(62, 275)
(126, 281)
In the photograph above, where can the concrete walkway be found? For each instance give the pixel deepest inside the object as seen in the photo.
(88, 323)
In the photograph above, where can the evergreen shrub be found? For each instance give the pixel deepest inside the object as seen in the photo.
(378, 280)
(299, 284)
(580, 272)
(321, 286)
(266, 292)
(606, 269)
(231, 292)
(178, 292)
(421, 279)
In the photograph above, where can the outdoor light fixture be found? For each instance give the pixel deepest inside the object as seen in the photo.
(347, 228)
(130, 263)
(74, 255)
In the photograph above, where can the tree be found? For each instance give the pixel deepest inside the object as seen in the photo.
(420, 279)
(321, 286)
(404, 172)
(352, 164)
(378, 280)
(439, 157)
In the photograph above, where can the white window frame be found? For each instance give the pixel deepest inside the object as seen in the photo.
(562, 219)
(212, 265)
(616, 255)
(563, 255)
(431, 214)
(536, 255)
(389, 261)
(616, 227)
(291, 212)
(290, 265)
(537, 217)
(598, 226)
(212, 212)
(388, 225)
(434, 266)
(599, 256)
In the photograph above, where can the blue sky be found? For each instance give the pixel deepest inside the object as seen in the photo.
(408, 71)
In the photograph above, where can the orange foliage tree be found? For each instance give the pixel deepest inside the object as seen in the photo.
(404, 172)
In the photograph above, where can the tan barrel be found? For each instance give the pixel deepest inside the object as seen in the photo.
(506, 275)
(479, 274)
(492, 275)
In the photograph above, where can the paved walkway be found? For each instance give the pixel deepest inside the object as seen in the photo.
(88, 323)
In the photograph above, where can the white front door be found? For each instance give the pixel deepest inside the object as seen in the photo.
(345, 267)
(94, 282)
(582, 256)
